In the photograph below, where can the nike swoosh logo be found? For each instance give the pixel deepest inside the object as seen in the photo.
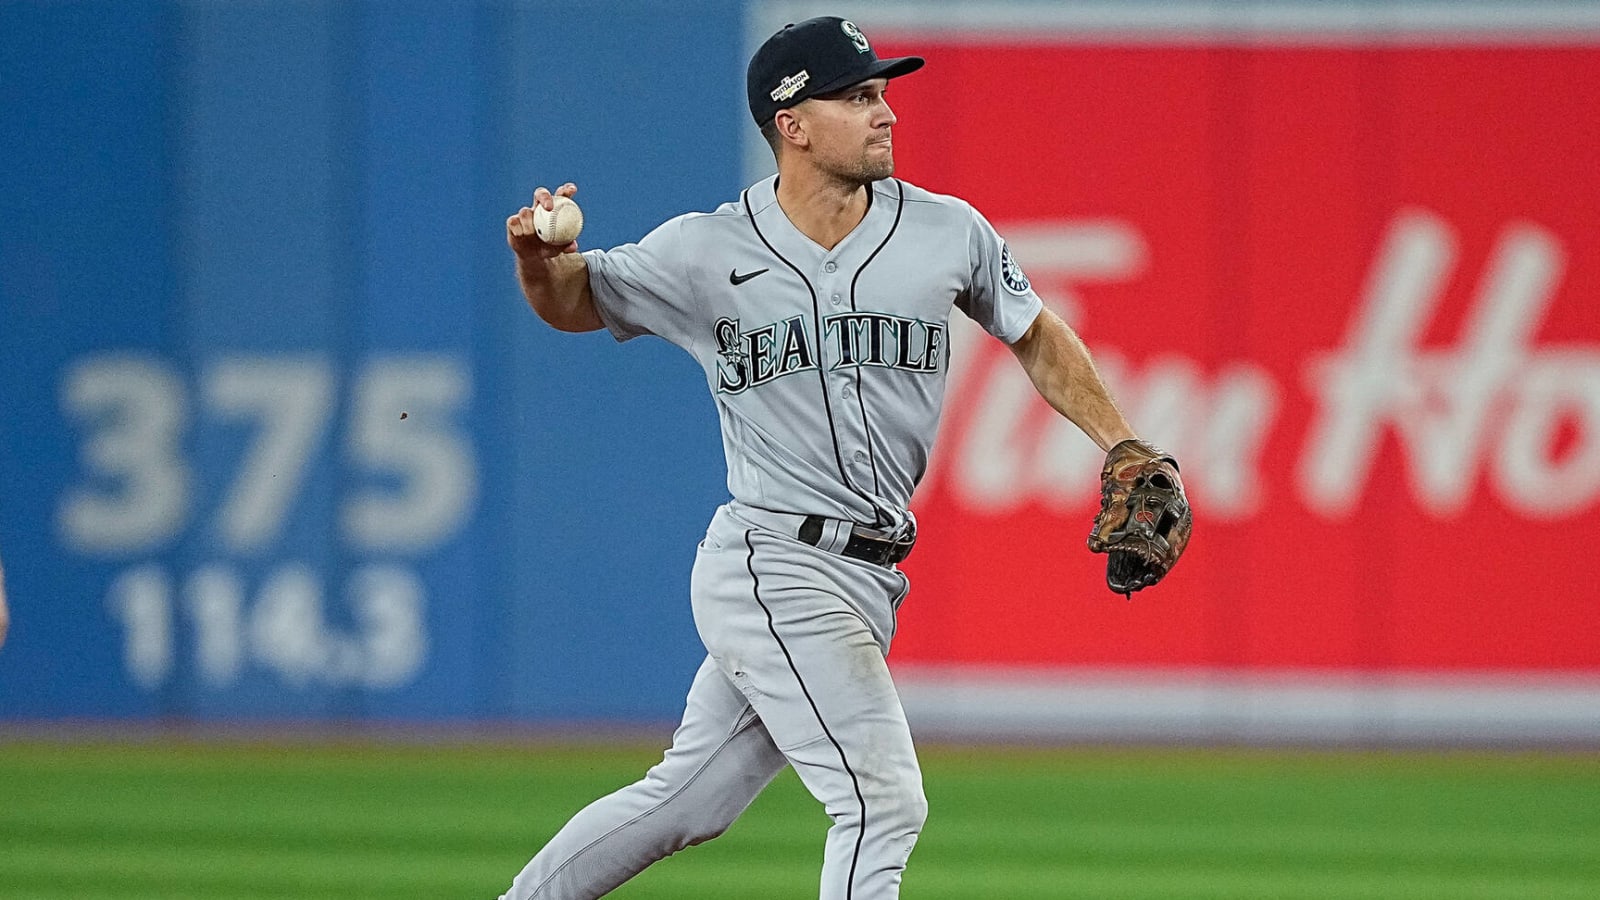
(735, 278)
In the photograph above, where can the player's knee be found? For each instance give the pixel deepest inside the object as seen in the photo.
(707, 823)
(701, 816)
(704, 832)
(900, 808)
(914, 807)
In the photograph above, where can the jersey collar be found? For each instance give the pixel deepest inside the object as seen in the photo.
(856, 246)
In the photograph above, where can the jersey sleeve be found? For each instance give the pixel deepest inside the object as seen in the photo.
(999, 298)
(642, 288)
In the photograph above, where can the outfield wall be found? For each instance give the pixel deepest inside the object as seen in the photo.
(242, 240)
(279, 441)
(1344, 261)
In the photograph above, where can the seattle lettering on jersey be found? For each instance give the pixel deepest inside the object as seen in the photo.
(877, 339)
(752, 358)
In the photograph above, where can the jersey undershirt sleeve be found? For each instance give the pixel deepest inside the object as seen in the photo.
(1000, 298)
(643, 288)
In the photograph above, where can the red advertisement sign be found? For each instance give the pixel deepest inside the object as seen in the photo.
(1355, 289)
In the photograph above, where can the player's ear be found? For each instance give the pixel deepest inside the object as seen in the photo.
(790, 129)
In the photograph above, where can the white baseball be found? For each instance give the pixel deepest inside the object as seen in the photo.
(560, 224)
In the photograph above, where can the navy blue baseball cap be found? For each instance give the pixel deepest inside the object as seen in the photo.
(817, 56)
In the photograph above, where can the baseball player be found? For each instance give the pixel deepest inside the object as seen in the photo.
(818, 304)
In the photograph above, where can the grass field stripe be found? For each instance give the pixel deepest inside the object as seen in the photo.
(861, 827)
(147, 818)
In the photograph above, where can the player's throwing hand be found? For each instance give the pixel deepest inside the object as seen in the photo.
(522, 235)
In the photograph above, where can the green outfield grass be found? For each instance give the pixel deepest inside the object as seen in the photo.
(146, 821)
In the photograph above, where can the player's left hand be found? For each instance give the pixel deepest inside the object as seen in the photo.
(1144, 520)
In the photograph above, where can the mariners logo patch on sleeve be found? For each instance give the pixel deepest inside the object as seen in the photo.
(1011, 273)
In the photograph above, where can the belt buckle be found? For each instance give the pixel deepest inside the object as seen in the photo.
(889, 547)
(899, 549)
(904, 539)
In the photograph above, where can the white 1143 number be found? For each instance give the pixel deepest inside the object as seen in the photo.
(282, 630)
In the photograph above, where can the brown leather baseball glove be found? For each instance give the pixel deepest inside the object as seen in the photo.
(1144, 520)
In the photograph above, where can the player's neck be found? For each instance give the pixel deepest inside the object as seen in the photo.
(823, 208)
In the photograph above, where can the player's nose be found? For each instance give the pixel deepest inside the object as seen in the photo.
(882, 114)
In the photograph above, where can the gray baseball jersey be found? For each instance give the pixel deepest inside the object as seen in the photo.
(828, 368)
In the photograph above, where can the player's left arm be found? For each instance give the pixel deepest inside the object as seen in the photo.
(1059, 365)
(1144, 520)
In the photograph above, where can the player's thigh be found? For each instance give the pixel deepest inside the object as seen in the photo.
(786, 636)
(721, 738)
(831, 707)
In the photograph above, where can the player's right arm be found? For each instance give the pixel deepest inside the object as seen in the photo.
(555, 279)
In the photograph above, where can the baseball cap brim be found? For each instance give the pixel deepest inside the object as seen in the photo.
(893, 67)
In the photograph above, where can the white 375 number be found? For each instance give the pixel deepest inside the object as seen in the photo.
(137, 491)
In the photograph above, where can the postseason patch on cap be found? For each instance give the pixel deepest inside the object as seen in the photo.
(790, 86)
(1011, 273)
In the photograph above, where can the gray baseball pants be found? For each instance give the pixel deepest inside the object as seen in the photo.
(795, 675)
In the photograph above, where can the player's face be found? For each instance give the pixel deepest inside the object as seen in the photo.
(851, 132)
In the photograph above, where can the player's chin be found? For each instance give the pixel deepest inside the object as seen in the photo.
(878, 164)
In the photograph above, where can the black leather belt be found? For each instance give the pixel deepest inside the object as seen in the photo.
(862, 544)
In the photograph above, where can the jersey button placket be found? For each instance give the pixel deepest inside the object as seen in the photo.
(858, 457)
